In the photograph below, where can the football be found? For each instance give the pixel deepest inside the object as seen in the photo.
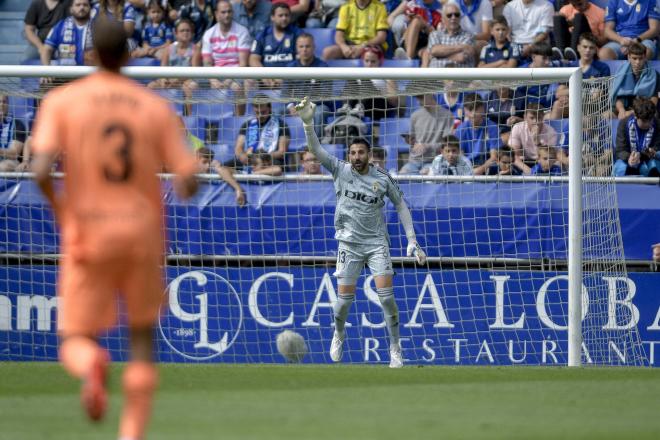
(291, 345)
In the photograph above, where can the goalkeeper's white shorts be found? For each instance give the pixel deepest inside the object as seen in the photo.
(351, 259)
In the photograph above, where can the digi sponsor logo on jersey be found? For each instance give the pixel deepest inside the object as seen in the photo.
(278, 57)
(354, 195)
(202, 316)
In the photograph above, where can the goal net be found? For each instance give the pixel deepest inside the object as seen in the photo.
(494, 221)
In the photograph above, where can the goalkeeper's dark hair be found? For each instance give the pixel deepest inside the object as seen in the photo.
(360, 141)
(110, 43)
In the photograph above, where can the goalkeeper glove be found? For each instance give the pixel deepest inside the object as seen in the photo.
(416, 250)
(305, 110)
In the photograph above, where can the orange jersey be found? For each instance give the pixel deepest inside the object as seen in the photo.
(115, 135)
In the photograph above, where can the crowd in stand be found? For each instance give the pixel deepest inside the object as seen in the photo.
(503, 132)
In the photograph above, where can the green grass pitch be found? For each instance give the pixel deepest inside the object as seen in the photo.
(262, 402)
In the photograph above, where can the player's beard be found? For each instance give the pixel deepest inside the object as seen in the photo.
(359, 166)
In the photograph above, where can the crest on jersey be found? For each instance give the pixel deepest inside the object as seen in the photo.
(375, 187)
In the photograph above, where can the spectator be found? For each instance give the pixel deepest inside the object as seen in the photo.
(451, 44)
(530, 22)
(505, 165)
(541, 57)
(452, 100)
(40, 17)
(253, 14)
(587, 49)
(310, 164)
(387, 101)
(207, 164)
(156, 34)
(296, 90)
(181, 53)
(596, 148)
(575, 19)
(12, 140)
(627, 23)
(118, 10)
(479, 136)
(499, 52)
(325, 14)
(451, 162)
(275, 46)
(361, 23)
(638, 141)
(298, 10)
(200, 12)
(499, 106)
(634, 78)
(263, 133)
(546, 163)
(412, 22)
(560, 107)
(429, 124)
(530, 134)
(70, 38)
(262, 163)
(476, 19)
(379, 157)
(227, 44)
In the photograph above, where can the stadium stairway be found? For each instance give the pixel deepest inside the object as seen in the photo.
(12, 41)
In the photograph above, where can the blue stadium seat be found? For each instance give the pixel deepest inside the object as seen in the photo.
(21, 107)
(209, 103)
(297, 132)
(146, 61)
(391, 130)
(614, 65)
(227, 129)
(392, 159)
(337, 150)
(323, 37)
(223, 152)
(401, 63)
(344, 63)
(561, 127)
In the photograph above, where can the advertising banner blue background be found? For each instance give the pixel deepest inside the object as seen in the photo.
(235, 314)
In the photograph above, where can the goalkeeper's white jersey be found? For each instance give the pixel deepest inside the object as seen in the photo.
(359, 216)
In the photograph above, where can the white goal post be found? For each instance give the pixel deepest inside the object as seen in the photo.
(572, 76)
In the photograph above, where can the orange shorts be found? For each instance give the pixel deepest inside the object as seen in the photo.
(89, 294)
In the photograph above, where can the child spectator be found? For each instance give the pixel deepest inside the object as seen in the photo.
(311, 166)
(546, 163)
(587, 49)
(560, 107)
(499, 52)
(451, 162)
(207, 164)
(638, 141)
(530, 134)
(505, 165)
(634, 78)
(156, 33)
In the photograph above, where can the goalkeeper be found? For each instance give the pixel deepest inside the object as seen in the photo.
(361, 231)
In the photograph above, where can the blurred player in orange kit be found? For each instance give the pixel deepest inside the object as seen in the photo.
(114, 137)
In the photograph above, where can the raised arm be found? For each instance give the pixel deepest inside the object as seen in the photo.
(305, 110)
